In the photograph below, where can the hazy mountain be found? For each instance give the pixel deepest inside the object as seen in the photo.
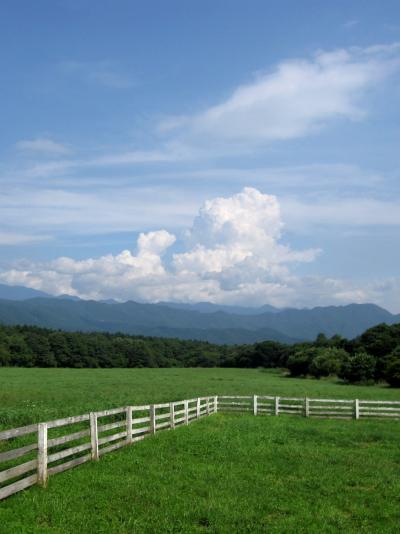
(219, 327)
(20, 293)
(209, 307)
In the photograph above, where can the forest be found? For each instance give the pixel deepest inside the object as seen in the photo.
(371, 357)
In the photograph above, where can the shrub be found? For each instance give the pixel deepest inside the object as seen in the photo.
(358, 368)
(327, 362)
(392, 370)
(299, 362)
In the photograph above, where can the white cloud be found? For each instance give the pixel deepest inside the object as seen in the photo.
(299, 97)
(43, 145)
(231, 254)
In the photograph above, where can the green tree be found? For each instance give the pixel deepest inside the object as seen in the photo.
(358, 368)
(327, 362)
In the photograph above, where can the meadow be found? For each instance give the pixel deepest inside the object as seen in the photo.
(225, 473)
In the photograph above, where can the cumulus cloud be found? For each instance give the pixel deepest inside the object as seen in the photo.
(231, 252)
(297, 98)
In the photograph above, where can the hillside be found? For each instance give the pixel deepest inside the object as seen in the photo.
(287, 326)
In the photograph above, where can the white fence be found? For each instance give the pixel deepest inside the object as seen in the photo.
(309, 407)
(44, 447)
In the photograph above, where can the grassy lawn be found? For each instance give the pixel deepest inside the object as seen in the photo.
(224, 473)
(33, 395)
(228, 474)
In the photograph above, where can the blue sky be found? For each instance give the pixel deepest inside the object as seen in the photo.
(237, 152)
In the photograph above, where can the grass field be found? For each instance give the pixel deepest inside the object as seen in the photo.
(33, 395)
(224, 473)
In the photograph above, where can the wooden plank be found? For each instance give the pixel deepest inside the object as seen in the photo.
(69, 465)
(110, 426)
(379, 402)
(276, 407)
(152, 419)
(325, 412)
(69, 437)
(140, 430)
(143, 408)
(113, 411)
(333, 400)
(379, 409)
(380, 414)
(18, 486)
(16, 432)
(140, 420)
(172, 415)
(129, 425)
(16, 453)
(68, 452)
(348, 409)
(162, 425)
(234, 397)
(306, 407)
(164, 405)
(356, 409)
(42, 455)
(18, 470)
(94, 436)
(68, 421)
(112, 437)
(186, 413)
(163, 416)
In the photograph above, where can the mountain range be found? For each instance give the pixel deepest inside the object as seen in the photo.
(203, 321)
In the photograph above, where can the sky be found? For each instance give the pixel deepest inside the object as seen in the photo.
(241, 152)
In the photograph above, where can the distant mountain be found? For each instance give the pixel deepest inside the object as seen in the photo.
(209, 307)
(170, 321)
(20, 293)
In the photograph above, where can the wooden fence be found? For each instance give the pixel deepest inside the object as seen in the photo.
(44, 447)
(308, 407)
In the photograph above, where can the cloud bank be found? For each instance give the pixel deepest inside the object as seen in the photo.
(231, 253)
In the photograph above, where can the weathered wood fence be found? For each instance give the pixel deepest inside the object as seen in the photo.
(44, 447)
(309, 407)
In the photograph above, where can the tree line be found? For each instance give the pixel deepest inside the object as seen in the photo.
(374, 356)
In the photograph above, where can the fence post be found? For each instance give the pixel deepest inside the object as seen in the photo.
(42, 454)
(276, 405)
(152, 419)
(306, 407)
(198, 408)
(94, 436)
(255, 406)
(356, 409)
(172, 415)
(216, 404)
(208, 406)
(186, 412)
(129, 425)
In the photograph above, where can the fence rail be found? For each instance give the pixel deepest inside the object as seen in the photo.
(30, 454)
(66, 443)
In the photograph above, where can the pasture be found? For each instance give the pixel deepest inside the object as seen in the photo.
(224, 473)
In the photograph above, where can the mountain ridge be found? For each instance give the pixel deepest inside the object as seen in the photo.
(287, 325)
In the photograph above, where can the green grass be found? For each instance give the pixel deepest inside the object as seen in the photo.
(33, 395)
(228, 474)
(224, 473)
